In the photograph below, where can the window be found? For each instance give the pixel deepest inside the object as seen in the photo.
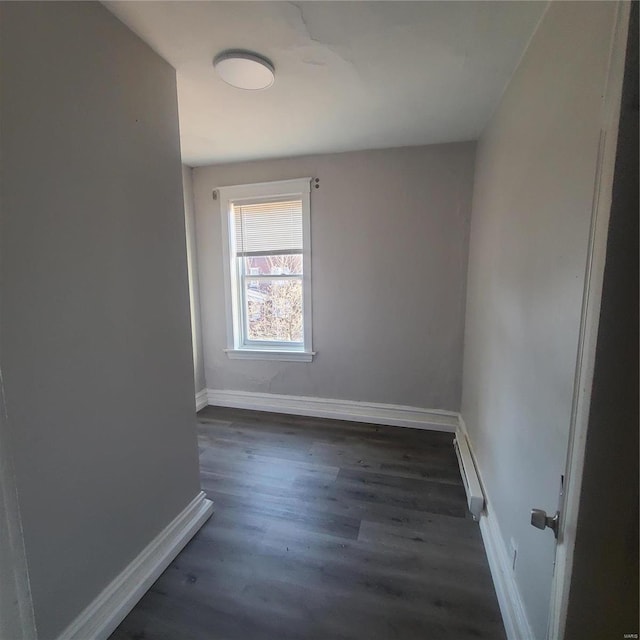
(267, 261)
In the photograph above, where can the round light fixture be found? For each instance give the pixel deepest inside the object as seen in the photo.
(244, 70)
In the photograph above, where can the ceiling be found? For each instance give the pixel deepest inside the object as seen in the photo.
(349, 75)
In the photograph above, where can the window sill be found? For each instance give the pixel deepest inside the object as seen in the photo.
(264, 354)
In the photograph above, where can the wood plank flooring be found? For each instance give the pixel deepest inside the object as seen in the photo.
(324, 530)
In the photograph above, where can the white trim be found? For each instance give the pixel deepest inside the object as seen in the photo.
(375, 413)
(514, 617)
(307, 299)
(111, 606)
(294, 186)
(201, 399)
(228, 269)
(589, 323)
(266, 354)
(299, 187)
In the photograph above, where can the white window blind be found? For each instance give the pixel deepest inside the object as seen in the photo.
(268, 228)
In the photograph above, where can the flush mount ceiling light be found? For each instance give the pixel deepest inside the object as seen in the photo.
(244, 70)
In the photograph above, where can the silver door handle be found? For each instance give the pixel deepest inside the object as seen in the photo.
(541, 520)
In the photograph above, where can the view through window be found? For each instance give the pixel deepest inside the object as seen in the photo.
(268, 258)
(269, 245)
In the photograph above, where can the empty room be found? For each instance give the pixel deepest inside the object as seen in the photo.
(319, 320)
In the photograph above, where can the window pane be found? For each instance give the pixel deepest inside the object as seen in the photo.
(290, 264)
(274, 310)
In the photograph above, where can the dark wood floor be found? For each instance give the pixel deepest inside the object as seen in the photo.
(324, 530)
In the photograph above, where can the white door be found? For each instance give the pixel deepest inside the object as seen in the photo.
(588, 329)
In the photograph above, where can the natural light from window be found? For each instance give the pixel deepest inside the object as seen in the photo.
(268, 280)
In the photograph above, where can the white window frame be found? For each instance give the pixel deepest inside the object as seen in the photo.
(238, 347)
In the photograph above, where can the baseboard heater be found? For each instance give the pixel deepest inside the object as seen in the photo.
(475, 497)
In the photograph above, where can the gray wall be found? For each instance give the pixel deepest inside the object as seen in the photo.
(532, 202)
(194, 286)
(389, 232)
(95, 340)
(603, 602)
(16, 610)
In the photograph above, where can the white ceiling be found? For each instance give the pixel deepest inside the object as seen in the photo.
(349, 75)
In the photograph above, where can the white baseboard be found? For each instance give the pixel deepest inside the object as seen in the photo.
(514, 616)
(387, 414)
(201, 399)
(107, 611)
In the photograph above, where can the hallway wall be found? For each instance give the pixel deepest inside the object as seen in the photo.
(94, 341)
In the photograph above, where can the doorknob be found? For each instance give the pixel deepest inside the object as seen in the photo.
(541, 520)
